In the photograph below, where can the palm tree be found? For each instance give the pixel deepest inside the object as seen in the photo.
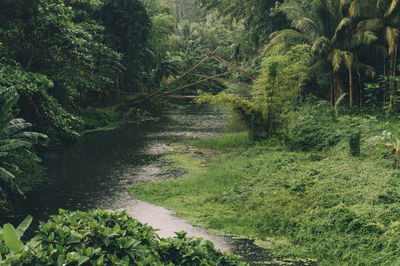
(15, 143)
(383, 18)
(324, 25)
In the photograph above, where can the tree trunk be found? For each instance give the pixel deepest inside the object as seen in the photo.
(339, 85)
(394, 66)
(350, 87)
(331, 90)
(394, 61)
(332, 96)
(384, 65)
(360, 86)
(392, 74)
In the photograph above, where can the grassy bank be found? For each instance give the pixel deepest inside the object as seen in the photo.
(327, 204)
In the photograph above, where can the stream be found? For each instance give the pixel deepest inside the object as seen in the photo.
(97, 171)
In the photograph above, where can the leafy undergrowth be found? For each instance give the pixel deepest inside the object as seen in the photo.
(225, 142)
(326, 204)
(105, 238)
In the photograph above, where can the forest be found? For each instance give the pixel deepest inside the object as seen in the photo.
(309, 163)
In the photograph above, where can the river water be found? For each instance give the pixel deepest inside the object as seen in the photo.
(97, 171)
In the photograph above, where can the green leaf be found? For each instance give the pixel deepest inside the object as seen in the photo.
(82, 260)
(33, 243)
(6, 175)
(24, 225)
(11, 238)
(340, 99)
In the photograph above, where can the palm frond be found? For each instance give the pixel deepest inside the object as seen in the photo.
(362, 8)
(14, 145)
(392, 34)
(15, 126)
(307, 26)
(31, 136)
(301, 20)
(337, 59)
(287, 37)
(364, 37)
(6, 175)
(374, 24)
(326, 14)
(321, 45)
(348, 59)
(343, 25)
(32, 156)
(368, 70)
(392, 8)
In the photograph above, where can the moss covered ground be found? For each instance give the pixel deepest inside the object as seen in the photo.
(327, 205)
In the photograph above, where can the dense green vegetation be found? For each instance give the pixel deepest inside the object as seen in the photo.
(76, 66)
(102, 238)
(317, 90)
(19, 166)
(307, 195)
(342, 51)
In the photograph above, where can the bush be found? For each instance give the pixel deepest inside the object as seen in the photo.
(354, 143)
(104, 237)
(311, 128)
(37, 106)
(19, 165)
(258, 119)
(94, 118)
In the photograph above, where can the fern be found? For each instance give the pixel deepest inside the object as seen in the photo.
(15, 143)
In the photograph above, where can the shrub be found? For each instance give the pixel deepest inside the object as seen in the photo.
(37, 106)
(18, 162)
(282, 82)
(94, 118)
(259, 120)
(104, 237)
(310, 128)
(354, 143)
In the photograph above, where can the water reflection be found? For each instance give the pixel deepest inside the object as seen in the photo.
(97, 171)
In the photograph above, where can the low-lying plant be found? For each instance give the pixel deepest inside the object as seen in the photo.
(228, 141)
(104, 238)
(329, 205)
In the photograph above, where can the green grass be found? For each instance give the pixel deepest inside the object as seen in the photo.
(225, 142)
(328, 205)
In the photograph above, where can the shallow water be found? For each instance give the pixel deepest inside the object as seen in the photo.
(97, 171)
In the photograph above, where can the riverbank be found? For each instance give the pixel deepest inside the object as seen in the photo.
(92, 120)
(326, 205)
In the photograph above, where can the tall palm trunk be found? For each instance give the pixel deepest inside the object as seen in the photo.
(384, 65)
(384, 73)
(392, 73)
(350, 87)
(360, 86)
(331, 95)
(332, 89)
(338, 85)
(397, 51)
(394, 62)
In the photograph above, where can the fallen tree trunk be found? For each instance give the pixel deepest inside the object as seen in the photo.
(157, 91)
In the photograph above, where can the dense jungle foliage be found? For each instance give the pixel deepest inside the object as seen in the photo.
(78, 65)
(314, 75)
(103, 238)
